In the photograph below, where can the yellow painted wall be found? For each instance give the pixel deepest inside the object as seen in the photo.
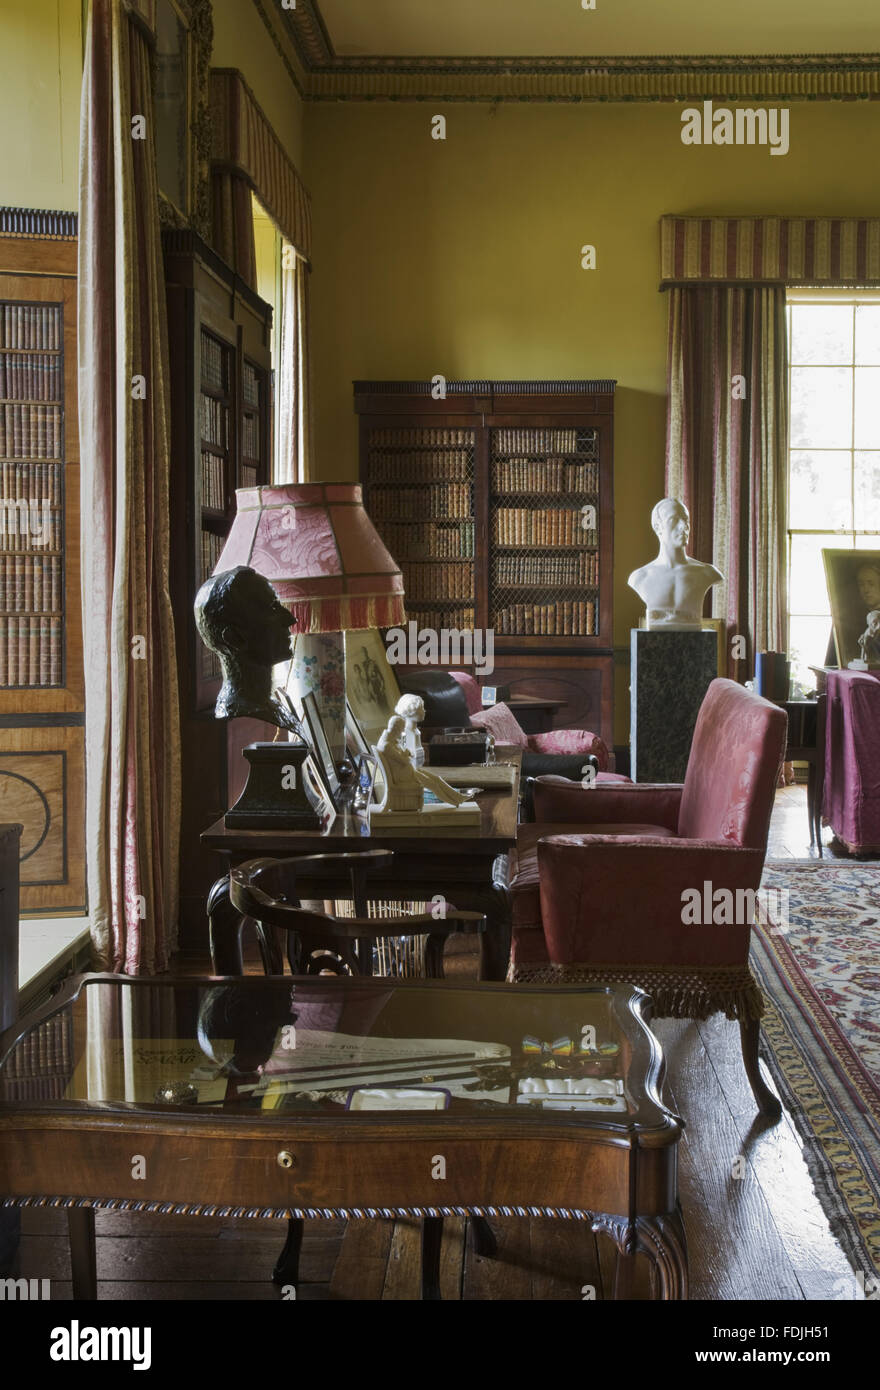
(463, 257)
(242, 41)
(40, 75)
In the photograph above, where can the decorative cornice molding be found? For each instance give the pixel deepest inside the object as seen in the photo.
(566, 387)
(328, 76)
(296, 78)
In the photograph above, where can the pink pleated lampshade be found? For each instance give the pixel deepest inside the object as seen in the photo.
(320, 552)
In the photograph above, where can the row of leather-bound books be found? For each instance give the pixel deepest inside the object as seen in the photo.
(30, 326)
(430, 437)
(423, 581)
(437, 618)
(30, 526)
(30, 377)
(580, 567)
(30, 649)
(440, 465)
(421, 503)
(544, 476)
(30, 583)
(441, 540)
(548, 526)
(214, 362)
(214, 421)
(575, 618)
(210, 550)
(31, 482)
(213, 481)
(30, 430)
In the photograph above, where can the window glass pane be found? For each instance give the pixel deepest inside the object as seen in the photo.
(868, 543)
(867, 492)
(821, 408)
(868, 335)
(819, 490)
(807, 589)
(807, 645)
(821, 334)
(867, 430)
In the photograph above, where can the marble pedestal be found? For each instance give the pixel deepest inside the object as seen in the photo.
(670, 674)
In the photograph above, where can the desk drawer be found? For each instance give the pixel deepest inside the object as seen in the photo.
(279, 1172)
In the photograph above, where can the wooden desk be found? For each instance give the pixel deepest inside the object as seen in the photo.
(300, 1149)
(467, 866)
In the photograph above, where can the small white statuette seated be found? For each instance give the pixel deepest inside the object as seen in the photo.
(405, 784)
(412, 709)
(673, 587)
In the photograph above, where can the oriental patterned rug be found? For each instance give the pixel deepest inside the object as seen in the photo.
(821, 1039)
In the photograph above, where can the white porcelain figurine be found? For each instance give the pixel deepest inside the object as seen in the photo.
(405, 784)
(412, 708)
(673, 586)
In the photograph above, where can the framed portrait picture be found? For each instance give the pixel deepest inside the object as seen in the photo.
(318, 740)
(355, 738)
(321, 796)
(853, 578)
(370, 684)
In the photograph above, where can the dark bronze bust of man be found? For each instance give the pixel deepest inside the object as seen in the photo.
(240, 617)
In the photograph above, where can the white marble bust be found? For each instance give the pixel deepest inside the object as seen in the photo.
(673, 586)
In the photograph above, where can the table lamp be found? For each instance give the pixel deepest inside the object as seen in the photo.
(322, 555)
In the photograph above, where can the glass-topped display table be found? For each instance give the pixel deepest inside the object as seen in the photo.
(343, 1098)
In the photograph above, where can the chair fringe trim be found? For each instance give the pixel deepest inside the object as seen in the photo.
(677, 992)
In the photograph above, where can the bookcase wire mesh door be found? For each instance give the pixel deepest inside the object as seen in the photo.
(543, 512)
(421, 499)
(31, 495)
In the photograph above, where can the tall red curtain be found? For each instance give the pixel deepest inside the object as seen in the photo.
(132, 727)
(726, 451)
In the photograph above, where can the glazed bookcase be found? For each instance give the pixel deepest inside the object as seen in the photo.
(497, 502)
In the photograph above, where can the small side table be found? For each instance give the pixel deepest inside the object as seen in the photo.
(806, 744)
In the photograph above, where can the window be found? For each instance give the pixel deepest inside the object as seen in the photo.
(267, 246)
(834, 460)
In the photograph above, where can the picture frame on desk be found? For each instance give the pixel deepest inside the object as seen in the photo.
(370, 684)
(318, 740)
(324, 804)
(355, 738)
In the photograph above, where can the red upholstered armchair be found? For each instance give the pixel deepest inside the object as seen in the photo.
(611, 882)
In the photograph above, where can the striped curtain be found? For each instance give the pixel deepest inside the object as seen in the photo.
(131, 721)
(245, 145)
(726, 451)
(233, 223)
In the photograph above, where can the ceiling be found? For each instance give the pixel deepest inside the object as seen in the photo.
(561, 28)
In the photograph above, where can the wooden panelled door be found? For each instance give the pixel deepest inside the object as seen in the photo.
(42, 783)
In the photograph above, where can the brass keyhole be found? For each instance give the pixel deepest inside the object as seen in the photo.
(286, 1159)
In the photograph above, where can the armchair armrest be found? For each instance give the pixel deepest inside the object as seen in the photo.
(559, 801)
(620, 900)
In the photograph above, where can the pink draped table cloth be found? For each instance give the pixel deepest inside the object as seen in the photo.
(852, 759)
